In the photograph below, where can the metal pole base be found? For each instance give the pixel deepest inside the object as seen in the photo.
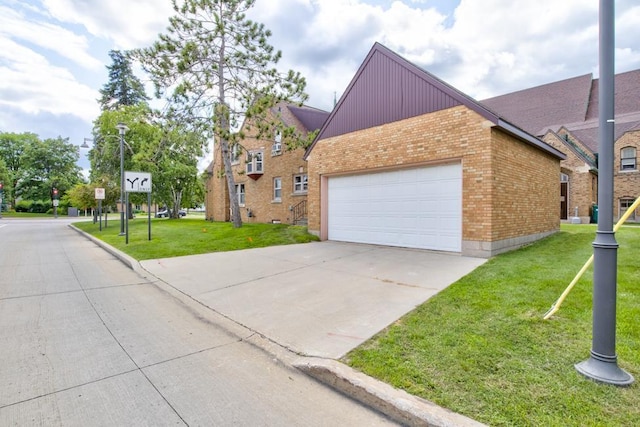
(604, 369)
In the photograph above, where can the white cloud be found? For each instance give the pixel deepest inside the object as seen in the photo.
(29, 83)
(129, 24)
(485, 48)
(47, 36)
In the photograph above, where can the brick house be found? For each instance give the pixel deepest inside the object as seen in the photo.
(565, 115)
(271, 181)
(406, 160)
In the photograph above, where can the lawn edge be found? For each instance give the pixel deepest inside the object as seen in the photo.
(127, 260)
(395, 403)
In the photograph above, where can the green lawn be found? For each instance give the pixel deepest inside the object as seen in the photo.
(481, 347)
(192, 235)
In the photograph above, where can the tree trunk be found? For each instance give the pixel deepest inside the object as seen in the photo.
(231, 185)
(223, 111)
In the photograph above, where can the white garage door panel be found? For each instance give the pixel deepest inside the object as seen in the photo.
(418, 208)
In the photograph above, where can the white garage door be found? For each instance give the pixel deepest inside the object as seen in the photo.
(414, 208)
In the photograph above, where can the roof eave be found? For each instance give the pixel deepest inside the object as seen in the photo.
(530, 139)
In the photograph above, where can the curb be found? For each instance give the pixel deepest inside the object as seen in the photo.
(397, 404)
(124, 258)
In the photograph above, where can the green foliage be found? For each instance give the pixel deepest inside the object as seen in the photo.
(481, 348)
(217, 69)
(12, 149)
(23, 206)
(45, 165)
(123, 87)
(172, 237)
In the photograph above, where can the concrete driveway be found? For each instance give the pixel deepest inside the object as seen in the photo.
(317, 299)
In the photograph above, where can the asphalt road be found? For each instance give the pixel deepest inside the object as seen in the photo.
(86, 341)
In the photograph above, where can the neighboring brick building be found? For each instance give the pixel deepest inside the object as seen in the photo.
(565, 113)
(407, 160)
(271, 181)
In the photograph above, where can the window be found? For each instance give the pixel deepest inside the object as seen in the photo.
(234, 153)
(300, 183)
(254, 162)
(240, 194)
(276, 149)
(628, 159)
(277, 189)
(624, 205)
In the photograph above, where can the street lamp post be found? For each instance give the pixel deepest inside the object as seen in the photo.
(122, 128)
(602, 365)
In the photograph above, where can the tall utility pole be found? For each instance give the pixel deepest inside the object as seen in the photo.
(602, 366)
(122, 128)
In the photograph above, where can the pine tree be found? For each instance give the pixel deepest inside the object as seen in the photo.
(123, 88)
(219, 69)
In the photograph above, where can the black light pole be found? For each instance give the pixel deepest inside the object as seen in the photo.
(122, 128)
(602, 366)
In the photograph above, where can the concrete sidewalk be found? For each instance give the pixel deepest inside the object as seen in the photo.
(318, 299)
(310, 304)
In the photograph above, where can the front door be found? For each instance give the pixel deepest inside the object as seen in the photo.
(563, 199)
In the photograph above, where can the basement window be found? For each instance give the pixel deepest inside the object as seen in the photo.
(626, 204)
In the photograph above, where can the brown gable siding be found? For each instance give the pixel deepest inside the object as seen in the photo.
(385, 90)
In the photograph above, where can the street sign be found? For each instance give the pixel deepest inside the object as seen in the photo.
(99, 193)
(56, 202)
(137, 182)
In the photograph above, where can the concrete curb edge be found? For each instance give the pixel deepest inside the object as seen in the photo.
(124, 258)
(396, 404)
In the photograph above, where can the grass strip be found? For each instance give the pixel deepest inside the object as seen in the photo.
(481, 347)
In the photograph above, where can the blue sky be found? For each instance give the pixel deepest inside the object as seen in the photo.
(53, 53)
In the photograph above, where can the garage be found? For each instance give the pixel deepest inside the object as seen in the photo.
(414, 208)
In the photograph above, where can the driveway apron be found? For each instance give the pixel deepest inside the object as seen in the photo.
(317, 299)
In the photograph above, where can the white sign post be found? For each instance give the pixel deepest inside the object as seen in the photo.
(137, 182)
(100, 197)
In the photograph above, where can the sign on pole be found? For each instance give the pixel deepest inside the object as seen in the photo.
(137, 182)
(99, 193)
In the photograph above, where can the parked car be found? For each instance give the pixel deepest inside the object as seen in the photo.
(164, 213)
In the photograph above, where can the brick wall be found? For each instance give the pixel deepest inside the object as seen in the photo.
(509, 189)
(583, 183)
(626, 183)
(259, 194)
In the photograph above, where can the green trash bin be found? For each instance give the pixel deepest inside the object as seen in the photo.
(594, 214)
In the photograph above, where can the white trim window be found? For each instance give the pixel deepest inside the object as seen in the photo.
(628, 159)
(234, 153)
(254, 162)
(300, 183)
(276, 148)
(240, 194)
(277, 189)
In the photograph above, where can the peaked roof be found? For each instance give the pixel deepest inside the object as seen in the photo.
(555, 103)
(387, 88)
(306, 119)
(572, 104)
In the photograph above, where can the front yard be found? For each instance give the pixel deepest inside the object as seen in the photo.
(481, 347)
